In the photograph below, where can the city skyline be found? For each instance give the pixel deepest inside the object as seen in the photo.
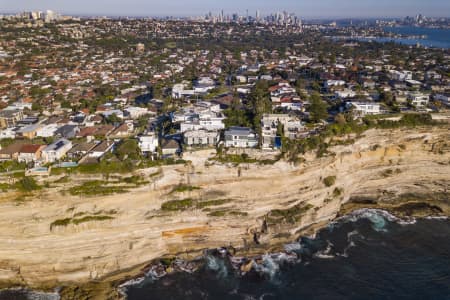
(305, 9)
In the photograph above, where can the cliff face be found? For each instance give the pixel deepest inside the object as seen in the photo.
(263, 206)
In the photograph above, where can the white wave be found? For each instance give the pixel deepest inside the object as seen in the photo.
(264, 295)
(294, 247)
(34, 295)
(217, 265)
(267, 266)
(325, 254)
(377, 217)
(345, 253)
(351, 234)
(437, 218)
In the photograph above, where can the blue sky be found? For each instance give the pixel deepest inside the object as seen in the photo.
(303, 8)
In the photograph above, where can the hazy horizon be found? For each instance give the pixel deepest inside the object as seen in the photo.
(319, 9)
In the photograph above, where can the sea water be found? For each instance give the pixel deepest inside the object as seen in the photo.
(368, 254)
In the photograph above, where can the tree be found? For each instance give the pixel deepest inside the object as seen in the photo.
(128, 149)
(340, 119)
(317, 108)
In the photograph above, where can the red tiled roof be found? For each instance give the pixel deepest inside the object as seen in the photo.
(30, 148)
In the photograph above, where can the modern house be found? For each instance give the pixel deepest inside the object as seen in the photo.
(362, 109)
(148, 143)
(241, 137)
(56, 151)
(201, 138)
(418, 99)
(290, 127)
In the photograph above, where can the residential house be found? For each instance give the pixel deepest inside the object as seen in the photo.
(203, 85)
(133, 112)
(30, 153)
(362, 109)
(8, 133)
(201, 138)
(47, 130)
(170, 148)
(67, 131)
(291, 127)
(9, 118)
(444, 98)
(241, 137)
(56, 151)
(418, 99)
(179, 91)
(148, 143)
(124, 130)
(11, 152)
(29, 132)
(80, 150)
(101, 149)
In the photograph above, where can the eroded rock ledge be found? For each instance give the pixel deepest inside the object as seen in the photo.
(405, 171)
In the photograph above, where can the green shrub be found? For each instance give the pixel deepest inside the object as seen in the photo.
(178, 205)
(184, 188)
(96, 187)
(27, 184)
(329, 181)
(75, 221)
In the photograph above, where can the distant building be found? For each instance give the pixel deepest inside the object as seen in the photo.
(241, 137)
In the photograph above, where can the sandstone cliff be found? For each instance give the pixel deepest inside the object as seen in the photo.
(266, 205)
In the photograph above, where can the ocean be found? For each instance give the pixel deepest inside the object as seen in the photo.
(434, 37)
(366, 255)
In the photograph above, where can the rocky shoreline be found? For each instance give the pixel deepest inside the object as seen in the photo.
(406, 210)
(402, 171)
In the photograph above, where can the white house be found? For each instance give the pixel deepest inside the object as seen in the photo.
(201, 138)
(347, 93)
(148, 143)
(292, 127)
(7, 133)
(241, 79)
(47, 130)
(364, 108)
(418, 99)
(331, 83)
(204, 85)
(179, 91)
(56, 151)
(241, 137)
(134, 112)
(400, 75)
